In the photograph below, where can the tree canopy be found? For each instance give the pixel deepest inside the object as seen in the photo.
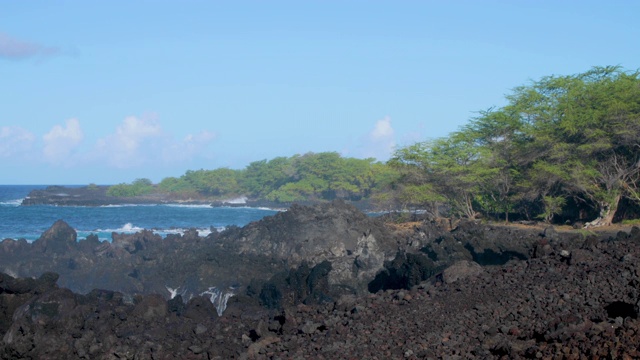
(308, 177)
(559, 138)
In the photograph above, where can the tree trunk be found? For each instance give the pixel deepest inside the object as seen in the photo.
(608, 211)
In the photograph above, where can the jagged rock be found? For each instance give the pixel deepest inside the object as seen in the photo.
(405, 271)
(60, 238)
(199, 308)
(151, 307)
(133, 243)
(461, 270)
(312, 234)
(533, 308)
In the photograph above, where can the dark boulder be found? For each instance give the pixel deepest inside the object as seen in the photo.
(200, 307)
(461, 270)
(404, 272)
(60, 238)
(302, 285)
(136, 242)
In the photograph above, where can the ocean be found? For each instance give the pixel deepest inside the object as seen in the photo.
(29, 222)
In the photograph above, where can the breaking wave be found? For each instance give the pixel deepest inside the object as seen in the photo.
(16, 202)
(193, 206)
(129, 228)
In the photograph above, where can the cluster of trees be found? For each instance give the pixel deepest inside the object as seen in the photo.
(137, 188)
(309, 177)
(563, 139)
(560, 142)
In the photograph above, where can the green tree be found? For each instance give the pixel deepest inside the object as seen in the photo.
(263, 177)
(138, 187)
(218, 182)
(452, 166)
(589, 126)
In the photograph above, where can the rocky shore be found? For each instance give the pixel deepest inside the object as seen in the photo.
(324, 281)
(96, 195)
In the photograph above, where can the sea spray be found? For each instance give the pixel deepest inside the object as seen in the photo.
(175, 292)
(217, 297)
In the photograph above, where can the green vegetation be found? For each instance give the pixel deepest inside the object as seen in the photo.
(563, 137)
(136, 188)
(562, 141)
(309, 177)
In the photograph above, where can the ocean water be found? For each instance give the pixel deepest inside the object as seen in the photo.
(29, 222)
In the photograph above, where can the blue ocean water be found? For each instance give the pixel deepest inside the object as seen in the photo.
(29, 222)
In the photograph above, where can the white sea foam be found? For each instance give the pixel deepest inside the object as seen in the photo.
(180, 231)
(254, 208)
(218, 298)
(238, 200)
(124, 205)
(16, 202)
(175, 292)
(126, 228)
(195, 206)
(129, 228)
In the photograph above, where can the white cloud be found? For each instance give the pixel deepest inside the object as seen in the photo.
(382, 131)
(139, 141)
(134, 131)
(380, 142)
(15, 141)
(190, 146)
(15, 49)
(60, 142)
(122, 149)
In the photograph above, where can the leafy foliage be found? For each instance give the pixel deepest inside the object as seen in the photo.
(321, 176)
(560, 137)
(138, 187)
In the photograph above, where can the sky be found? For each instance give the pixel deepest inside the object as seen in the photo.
(110, 91)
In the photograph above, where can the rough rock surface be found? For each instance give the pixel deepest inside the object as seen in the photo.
(355, 244)
(461, 270)
(583, 304)
(366, 254)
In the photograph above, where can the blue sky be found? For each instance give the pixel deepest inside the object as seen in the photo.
(111, 91)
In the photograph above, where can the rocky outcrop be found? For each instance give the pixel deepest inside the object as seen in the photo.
(54, 323)
(364, 253)
(461, 270)
(60, 238)
(81, 196)
(355, 244)
(580, 302)
(311, 233)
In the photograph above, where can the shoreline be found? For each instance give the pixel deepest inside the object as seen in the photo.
(57, 195)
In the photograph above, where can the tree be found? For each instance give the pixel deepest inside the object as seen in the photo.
(263, 177)
(589, 122)
(562, 136)
(218, 182)
(138, 187)
(452, 166)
